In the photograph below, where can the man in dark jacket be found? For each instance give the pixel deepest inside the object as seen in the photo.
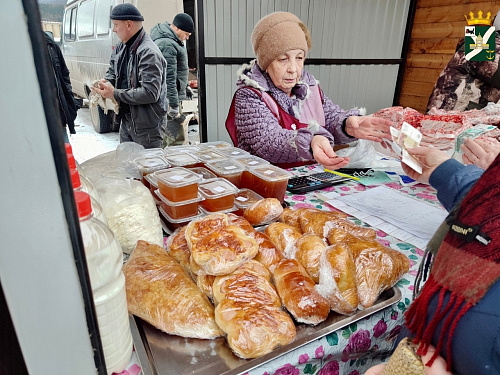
(170, 39)
(136, 78)
(65, 99)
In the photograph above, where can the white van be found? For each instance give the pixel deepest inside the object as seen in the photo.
(87, 40)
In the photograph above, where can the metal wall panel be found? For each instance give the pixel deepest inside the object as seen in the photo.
(340, 29)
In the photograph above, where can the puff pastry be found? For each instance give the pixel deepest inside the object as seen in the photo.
(263, 211)
(308, 250)
(269, 256)
(177, 247)
(282, 235)
(160, 292)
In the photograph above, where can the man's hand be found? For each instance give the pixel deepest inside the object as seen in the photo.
(189, 93)
(480, 153)
(173, 112)
(323, 153)
(368, 127)
(105, 89)
(429, 157)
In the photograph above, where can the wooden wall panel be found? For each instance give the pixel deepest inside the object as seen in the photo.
(437, 27)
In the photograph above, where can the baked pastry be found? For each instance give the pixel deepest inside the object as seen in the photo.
(199, 228)
(177, 247)
(223, 250)
(195, 268)
(263, 211)
(249, 312)
(321, 223)
(240, 222)
(298, 293)
(160, 292)
(308, 250)
(268, 255)
(291, 216)
(338, 279)
(205, 283)
(282, 235)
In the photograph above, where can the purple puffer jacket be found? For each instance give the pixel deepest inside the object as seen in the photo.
(258, 130)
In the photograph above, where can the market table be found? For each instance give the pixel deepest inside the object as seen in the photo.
(353, 349)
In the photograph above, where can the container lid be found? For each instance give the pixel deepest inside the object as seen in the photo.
(246, 197)
(152, 152)
(217, 188)
(214, 145)
(209, 156)
(183, 149)
(182, 159)
(83, 203)
(75, 179)
(71, 161)
(206, 174)
(177, 177)
(68, 148)
(271, 173)
(233, 152)
(226, 167)
(205, 212)
(181, 203)
(150, 164)
(183, 220)
(252, 161)
(151, 178)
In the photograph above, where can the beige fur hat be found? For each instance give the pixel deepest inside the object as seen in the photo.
(276, 34)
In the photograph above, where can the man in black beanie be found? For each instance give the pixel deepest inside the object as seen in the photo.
(170, 39)
(136, 79)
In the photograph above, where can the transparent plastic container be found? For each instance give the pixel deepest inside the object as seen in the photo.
(157, 151)
(234, 152)
(81, 183)
(153, 187)
(229, 169)
(219, 195)
(269, 181)
(180, 210)
(206, 174)
(104, 261)
(150, 164)
(178, 184)
(183, 160)
(217, 145)
(209, 156)
(189, 149)
(245, 198)
(170, 225)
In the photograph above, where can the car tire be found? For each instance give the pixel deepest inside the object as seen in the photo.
(102, 122)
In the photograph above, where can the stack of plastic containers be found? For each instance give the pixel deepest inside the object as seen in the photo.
(218, 195)
(104, 261)
(150, 164)
(244, 198)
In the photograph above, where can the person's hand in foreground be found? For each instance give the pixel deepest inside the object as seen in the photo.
(106, 89)
(368, 127)
(429, 157)
(323, 153)
(480, 153)
(438, 366)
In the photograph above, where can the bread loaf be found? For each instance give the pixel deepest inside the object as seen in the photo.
(177, 247)
(282, 235)
(249, 312)
(269, 256)
(298, 293)
(308, 250)
(338, 279)
(160, 292)
(263, 211)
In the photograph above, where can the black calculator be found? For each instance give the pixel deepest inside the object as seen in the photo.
(315, 181)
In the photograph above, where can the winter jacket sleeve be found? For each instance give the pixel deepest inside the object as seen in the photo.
(259, 132)
(150, 76)
(453, 180)
(170, 54)
(111, 74)
(334, 117)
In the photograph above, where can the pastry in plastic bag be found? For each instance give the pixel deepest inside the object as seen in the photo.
(241, 222)
(205, 283)
(263, 211)
(320, 223)
(291, 216)
(160, 292)
(282, 235)
(298, 293)
(177, 247)
(249, 312)
(223, 250)
(338, 279)
(269, 256)
(308, 250)
(199, 228)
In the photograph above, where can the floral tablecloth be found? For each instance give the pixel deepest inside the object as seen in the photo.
(367, 342)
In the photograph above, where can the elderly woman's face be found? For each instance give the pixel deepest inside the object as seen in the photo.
(286, 70)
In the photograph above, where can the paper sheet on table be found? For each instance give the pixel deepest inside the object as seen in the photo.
(404, 212)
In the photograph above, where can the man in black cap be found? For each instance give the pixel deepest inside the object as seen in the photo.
(170, 39)
(136, 78)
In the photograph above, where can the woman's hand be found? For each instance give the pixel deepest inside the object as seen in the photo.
(479, 152)
(438, 366)
(323, 153)
(429, 157)
(368, 127)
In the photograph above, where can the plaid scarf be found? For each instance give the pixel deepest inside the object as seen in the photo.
(466, 264)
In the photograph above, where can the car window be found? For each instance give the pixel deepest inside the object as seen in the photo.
(85, 19)
(103, 22)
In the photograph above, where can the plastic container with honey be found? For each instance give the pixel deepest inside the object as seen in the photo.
(152, 152)
(219, 195)
(181, 149)
(150, 164)
(217, 145)
(250, 162)
(234, 152)
(182, 160)
(229, 210)
(178, 184)
(229, 169)
(180, 210)
(209, 156)
(170, 225)
(270, 181)
(153, 186)
(206, 174)
(245, 198)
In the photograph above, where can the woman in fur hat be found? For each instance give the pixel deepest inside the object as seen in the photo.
(280, 114)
